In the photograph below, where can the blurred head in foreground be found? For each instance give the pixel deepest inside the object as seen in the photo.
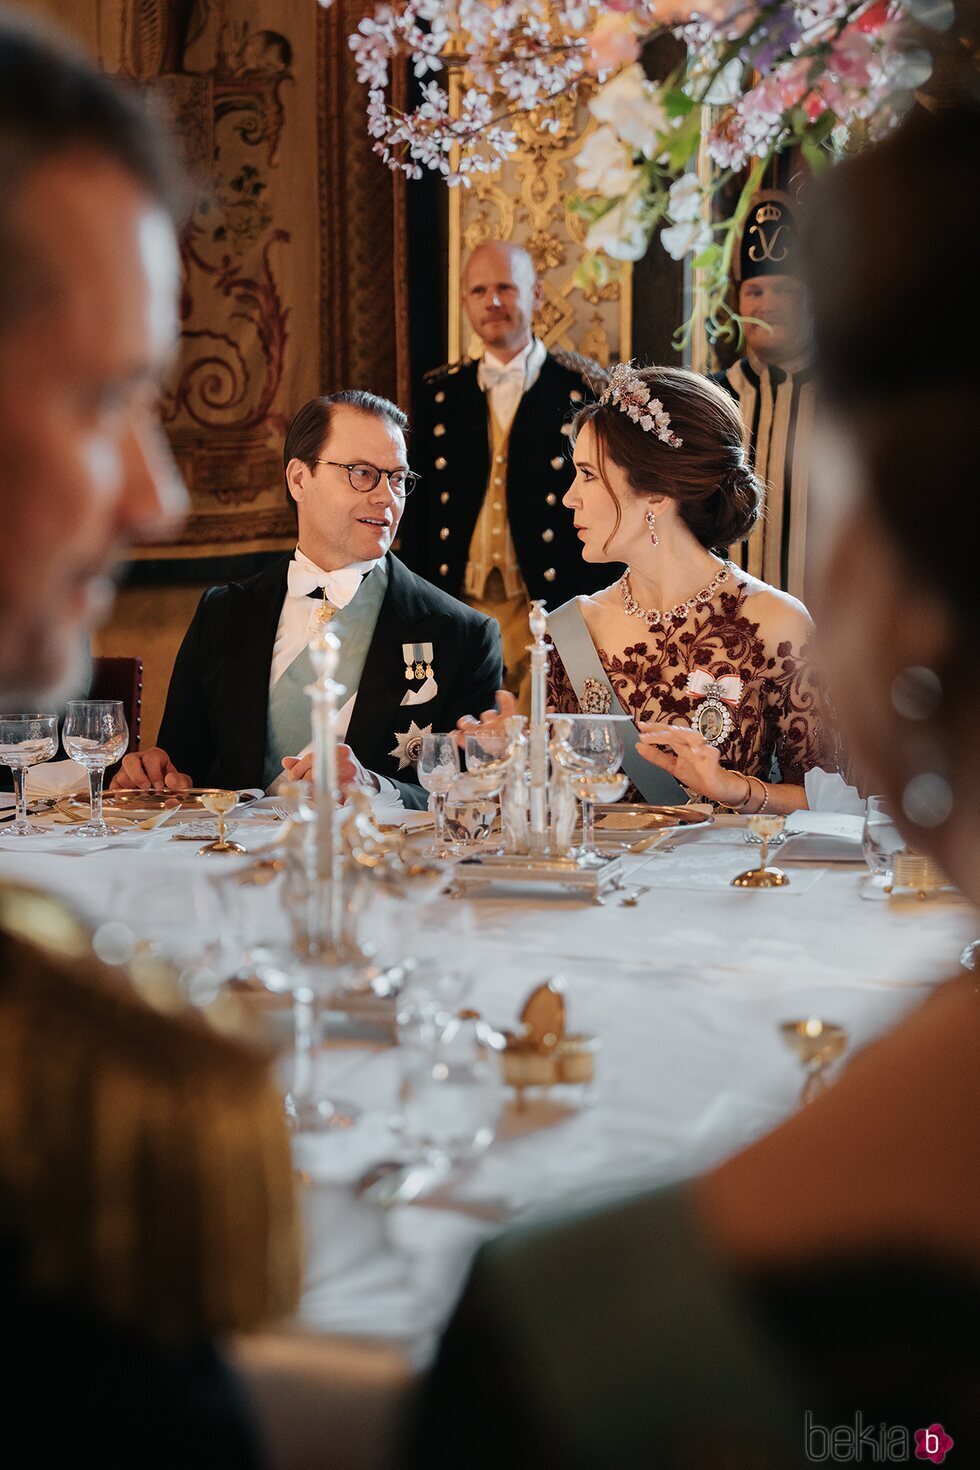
(88, 283)
(896, 326)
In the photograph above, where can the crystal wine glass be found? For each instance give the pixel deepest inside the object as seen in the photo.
(486, 756)
(25, 740)
(96, 736)
(598, 747)
(590, 787)
(438, 767)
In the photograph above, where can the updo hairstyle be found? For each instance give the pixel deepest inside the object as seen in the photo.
(718, 496)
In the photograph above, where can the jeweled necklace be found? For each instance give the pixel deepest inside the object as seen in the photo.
(681, 610)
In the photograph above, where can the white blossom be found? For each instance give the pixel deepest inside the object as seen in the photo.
(631, 106)
(685, 198)
(689, 237)
(726, 86)
(622, 232)
(605, 165)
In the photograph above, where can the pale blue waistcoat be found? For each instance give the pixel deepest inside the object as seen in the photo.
(289, 728)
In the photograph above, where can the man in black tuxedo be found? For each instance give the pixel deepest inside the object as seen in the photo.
(412, 658)
(491, 444)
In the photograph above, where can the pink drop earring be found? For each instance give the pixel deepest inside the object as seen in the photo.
(651, 521)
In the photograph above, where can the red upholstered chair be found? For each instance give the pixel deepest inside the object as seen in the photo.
(121, 678)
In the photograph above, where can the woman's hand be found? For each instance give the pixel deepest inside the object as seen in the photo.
(688, 757)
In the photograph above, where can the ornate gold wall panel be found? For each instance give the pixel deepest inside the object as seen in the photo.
(294, 259)
(525, 201)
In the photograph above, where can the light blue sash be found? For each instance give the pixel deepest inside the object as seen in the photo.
(290, 720)
(578, 653)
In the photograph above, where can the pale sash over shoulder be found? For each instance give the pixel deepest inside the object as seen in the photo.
(583, 666)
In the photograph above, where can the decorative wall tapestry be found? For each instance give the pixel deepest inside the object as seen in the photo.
(294, 258)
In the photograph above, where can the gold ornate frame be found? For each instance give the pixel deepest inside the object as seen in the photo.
(525, 201)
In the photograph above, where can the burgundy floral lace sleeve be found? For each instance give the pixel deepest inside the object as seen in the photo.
(802, 738)
(766, 708)
(561, 695)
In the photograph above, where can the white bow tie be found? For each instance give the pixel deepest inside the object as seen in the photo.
(491, 376)
(339, 586)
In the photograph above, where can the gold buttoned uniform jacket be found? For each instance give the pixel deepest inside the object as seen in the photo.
(451, 449)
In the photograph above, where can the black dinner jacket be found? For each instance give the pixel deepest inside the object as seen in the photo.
(216, 717)
(450, 447)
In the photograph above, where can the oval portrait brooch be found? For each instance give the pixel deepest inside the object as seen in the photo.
(718, 699)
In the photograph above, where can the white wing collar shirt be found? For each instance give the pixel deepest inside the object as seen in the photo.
(297, 623)
(507, 382)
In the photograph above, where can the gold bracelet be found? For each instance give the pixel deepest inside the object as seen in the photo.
(739, 807)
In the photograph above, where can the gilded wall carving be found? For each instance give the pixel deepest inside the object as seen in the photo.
(525, 201)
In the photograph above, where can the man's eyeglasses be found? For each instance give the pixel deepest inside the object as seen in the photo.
(365, 477)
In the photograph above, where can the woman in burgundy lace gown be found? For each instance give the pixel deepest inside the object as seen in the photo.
(709, 663)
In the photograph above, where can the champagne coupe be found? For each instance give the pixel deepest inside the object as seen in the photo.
(25, 740)
(438, 768)
(817, 1043)
(220, 803)
(766, 826)
(598, 748)
(96, 736)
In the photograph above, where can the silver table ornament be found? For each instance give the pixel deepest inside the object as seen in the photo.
(537, 804)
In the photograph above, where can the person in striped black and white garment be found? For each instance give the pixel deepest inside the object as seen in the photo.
(773, 383)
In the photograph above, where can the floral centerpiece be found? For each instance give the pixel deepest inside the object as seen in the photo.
(758, 77)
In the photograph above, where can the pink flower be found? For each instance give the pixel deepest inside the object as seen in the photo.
(612, 44)
(851, 58)
(791, 82)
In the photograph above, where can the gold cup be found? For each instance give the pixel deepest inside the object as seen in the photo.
(220, 803)
(765, 825)
(816, 1043)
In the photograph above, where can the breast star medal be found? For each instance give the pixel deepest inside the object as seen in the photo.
(408, 747)
(714, 718)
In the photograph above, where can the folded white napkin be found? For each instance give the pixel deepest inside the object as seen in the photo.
(827, 791)
(56, 779)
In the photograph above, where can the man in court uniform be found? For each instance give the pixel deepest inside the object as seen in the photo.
(773, 383)
(411, 659)
(492, 447)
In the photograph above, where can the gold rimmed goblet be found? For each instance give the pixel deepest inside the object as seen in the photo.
(766, 826)
(220, 803)
(817, 1043)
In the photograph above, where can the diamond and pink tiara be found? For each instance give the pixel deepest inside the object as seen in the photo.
(632, 396)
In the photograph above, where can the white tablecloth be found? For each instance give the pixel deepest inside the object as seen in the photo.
(685, 991)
